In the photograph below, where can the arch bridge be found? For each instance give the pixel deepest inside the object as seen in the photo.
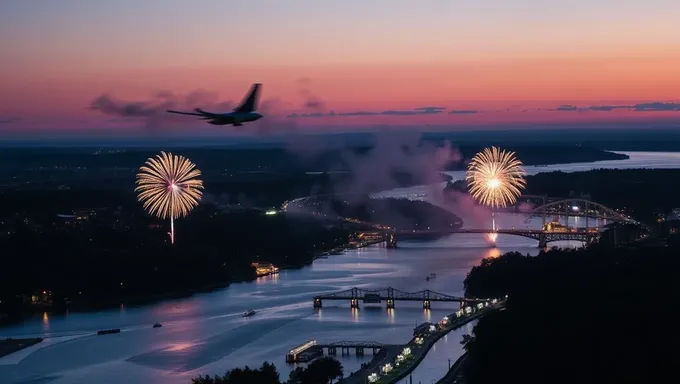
(579, 207)
(587, 235)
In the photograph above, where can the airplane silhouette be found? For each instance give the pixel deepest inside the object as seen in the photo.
(242, 114)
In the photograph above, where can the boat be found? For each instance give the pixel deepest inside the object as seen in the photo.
(108, 331)
(249, 313)
(157, 325)
(431, 276)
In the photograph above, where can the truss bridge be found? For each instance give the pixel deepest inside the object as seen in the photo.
(390, 296)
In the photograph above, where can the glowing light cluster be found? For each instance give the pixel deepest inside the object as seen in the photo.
(495, 177)
(168, 187)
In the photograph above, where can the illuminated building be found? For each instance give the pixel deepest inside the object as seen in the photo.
(554, 226)
(264, 268)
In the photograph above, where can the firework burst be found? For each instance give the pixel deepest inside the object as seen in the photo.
(495, 177)
(168, 187)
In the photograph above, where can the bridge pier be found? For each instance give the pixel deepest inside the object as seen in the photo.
(332, 351)
(376, 351)
(354, 303)
(344, 351)
(426, 304)
(390, 304)
(542, 241)
(317, 303)
(360, 351)
(391, 240)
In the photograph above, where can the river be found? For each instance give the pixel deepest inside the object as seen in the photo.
(205, 334)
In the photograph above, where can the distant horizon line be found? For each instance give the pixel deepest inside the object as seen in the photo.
(188, 139)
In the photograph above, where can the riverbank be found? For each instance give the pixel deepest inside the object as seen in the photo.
(141, 300)
(455, 373)
(418, 352)
(9, 345)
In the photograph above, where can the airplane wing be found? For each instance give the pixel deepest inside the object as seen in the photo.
(185, 113)
(208, 114)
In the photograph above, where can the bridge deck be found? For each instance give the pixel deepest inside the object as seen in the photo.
(389, 293)
(500, 231)
(357, 344)
(385, 298)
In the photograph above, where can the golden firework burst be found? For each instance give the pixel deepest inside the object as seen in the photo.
(495, 177)
(168, 187)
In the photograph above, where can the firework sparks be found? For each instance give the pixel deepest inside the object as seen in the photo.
(168, 187)
(495, 177)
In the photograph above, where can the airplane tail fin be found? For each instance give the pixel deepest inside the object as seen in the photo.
(249, 104)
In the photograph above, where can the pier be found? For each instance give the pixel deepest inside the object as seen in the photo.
(311, 349)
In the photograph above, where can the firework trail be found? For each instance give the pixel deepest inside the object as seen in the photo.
(168, 187)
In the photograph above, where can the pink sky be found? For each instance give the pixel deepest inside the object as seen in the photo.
(500, 64)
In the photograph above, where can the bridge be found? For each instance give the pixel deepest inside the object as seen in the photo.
(579, 207)
(591, 212)
(587, 235)
(390, 295)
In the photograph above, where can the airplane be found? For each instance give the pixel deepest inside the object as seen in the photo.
(242, 114)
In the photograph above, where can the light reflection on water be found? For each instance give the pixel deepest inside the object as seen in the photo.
(205, 334)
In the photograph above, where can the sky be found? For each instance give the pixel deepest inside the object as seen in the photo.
(88, 65)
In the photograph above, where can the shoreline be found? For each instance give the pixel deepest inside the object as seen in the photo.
(454, 373)
(143, 300)
(11, 345)
(431, 342)
(419, 353)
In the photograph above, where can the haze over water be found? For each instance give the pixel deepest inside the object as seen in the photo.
(206, 333)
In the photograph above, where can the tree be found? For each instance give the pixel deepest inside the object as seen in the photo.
(266, 374)
(323, 370)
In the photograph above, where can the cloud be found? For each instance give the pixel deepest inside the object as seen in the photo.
(9, 119)
(566, 108)
(607, 108)
(153, 110)
(312, 103)
(463, 111)
(655, 106)
(395, 152)
(390, 112)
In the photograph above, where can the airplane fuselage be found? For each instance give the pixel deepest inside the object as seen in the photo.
(235, 119)
(244, 113)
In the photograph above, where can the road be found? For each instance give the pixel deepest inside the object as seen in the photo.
(418, 354)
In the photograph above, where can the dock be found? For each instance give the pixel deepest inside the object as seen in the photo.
(311, 349)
